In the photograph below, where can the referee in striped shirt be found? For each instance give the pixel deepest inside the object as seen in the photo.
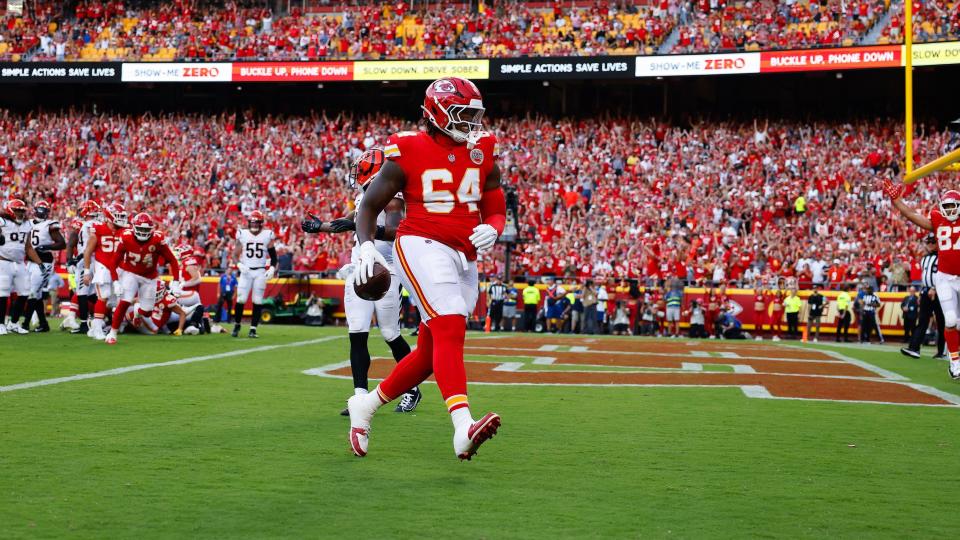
(928, 303)
(496, 294)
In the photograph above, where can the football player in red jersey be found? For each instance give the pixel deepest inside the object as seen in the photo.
(100, 261)
(138, 252)
(944, 223)
(455, 209)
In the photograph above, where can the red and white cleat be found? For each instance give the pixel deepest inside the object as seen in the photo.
(360, 415)
(111, 338)
(467, 441)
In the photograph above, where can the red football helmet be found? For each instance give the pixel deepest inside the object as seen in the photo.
(182, 250)
(16, 209)
(90, 210)
(366, 167)
(114, 213)
(41, 209)
(255, 220)
(950, 205)
(142, 226)
(454, 106)
(161, 288)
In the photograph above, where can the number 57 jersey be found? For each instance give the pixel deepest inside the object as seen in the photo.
(444, 185)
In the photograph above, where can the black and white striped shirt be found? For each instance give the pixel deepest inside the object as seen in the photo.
(928, 267)
(497, 292)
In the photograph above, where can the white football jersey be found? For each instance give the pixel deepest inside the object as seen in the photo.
(41, 236)
(83, 235)
(14, 239)
(253, 247)
(41, 232)
(385, 248)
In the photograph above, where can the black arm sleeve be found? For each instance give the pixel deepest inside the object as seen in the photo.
(273, 256)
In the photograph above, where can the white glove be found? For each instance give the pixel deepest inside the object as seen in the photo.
(270, 272)
(87, 276)
(175, 287)
(72, 269)
(117, 289)
(368, 256)
(483, 237)
(345, 272)
(242, 268)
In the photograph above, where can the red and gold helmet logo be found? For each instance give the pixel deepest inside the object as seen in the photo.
(444, 86)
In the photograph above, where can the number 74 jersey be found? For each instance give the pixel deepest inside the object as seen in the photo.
(948, 243)
(253, 247)
(444, 185)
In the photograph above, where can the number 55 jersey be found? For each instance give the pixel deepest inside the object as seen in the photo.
(444, 185)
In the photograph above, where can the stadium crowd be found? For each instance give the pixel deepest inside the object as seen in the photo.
(191, 30)
(932, 21)
(606, 198)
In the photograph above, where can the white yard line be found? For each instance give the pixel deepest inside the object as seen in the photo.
(141, 367)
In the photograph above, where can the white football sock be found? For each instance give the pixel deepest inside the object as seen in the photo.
(461, 418)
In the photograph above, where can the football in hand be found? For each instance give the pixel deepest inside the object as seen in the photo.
(375, 287)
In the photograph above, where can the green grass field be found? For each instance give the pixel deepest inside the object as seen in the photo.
(248, 446)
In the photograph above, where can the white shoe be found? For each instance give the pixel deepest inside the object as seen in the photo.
(955, 369)
(467, 440)
(69, 323)
(191, 331)
(99, 335)
(758, 338)
(3, 330)
(360, 415)
(776, 338)
(111, 338)
(815, 340)
(16, 329)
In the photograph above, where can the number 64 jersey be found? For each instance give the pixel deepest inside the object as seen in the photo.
(253, 248)
(444, 185)
(948, 243)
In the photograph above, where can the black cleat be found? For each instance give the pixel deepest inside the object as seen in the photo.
(41, 329)
(345, 411)
(940, 356)
(409, 401)
(909, 352)
(83, 329)
(236, 331)
(253, 334)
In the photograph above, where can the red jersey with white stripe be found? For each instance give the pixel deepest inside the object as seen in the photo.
(948, 243)
(190, 260)
(141, 258)
(444, 185)
(108, 242)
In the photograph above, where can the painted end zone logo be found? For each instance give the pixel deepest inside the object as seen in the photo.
(759, 371)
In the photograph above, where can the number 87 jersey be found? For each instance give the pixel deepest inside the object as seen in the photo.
(444, 182)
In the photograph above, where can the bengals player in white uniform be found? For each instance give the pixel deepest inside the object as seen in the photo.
(943, 223)
(359, 311)
(257, 260)
(455, 209)
(15, 230)
(46, 238)
(90, 213)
